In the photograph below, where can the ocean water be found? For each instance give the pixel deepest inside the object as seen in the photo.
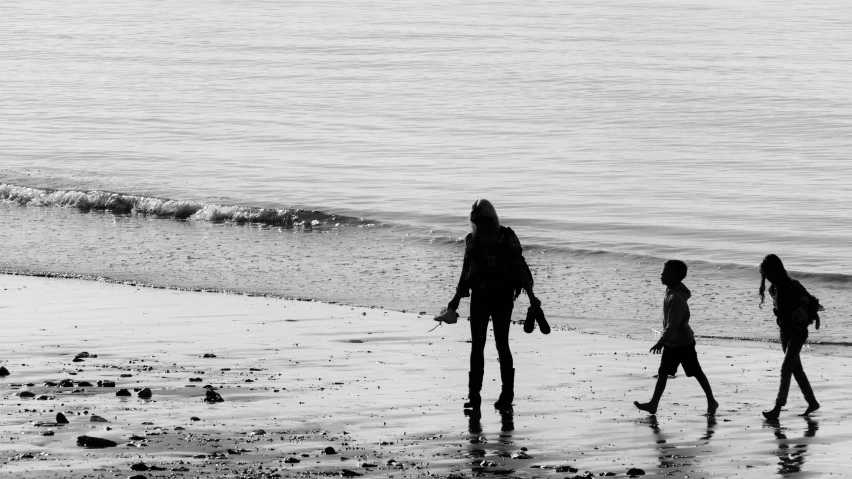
(331, 150)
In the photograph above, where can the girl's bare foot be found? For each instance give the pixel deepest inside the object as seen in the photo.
(712, 407)
(811, 408)
(647, 407)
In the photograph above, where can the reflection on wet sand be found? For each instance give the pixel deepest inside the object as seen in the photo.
(711, 428)
(791, 456)
(501, 448)
(667, 453)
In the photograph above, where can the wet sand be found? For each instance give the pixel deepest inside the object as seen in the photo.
(376, 387)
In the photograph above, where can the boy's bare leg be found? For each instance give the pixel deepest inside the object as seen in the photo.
(651, 406)
(712, 404)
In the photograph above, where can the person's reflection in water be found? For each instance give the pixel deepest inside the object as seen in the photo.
(474, 426)
(507, 418)
(478, 443)
(711, 428)
(791, 457)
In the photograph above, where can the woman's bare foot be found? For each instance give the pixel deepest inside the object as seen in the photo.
(712, 407)
(647, 407)
(811, 408)
(772, 413)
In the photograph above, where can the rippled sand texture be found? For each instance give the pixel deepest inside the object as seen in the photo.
(300, 377)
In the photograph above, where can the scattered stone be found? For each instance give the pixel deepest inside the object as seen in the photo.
(635, 471)
(50, 384)
(43, 398)
(123, 393)
(61, 419)
(26, 394)
(84, 384)
(292, 460)
(521, 455)
(195, 380)
(83, 355)
(258, 432)
(348, 473)
(4, 372)
(141, 466)
(195, 418)
(212, 397)
(66, 383)
(566, 469)
(106, 384)
(608, 474)
(209, 355)
(137, 438)
(77, 360)
(145, 393)
(125, 375)
(329, 450)
(95, 442)
(137, 476)
(96, 418)
(368, 464)
(47, 433)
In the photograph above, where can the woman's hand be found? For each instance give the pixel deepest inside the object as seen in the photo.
(454, 303)
(534, 301)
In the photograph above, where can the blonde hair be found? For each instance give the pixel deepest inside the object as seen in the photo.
(483, 214)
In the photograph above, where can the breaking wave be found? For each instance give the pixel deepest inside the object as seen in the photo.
(118, 203)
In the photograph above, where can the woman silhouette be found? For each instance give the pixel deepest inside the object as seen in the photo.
(492, 262)
(794, 308)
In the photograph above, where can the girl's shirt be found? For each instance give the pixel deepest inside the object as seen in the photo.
(791, 301)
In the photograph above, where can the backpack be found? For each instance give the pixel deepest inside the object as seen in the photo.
(813, 310)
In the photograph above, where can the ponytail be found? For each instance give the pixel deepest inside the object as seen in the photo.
(762, 290)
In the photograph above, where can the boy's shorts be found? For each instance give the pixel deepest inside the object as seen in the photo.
(681, 355)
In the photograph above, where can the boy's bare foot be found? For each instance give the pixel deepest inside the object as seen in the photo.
(712, 407)
(647, 407)
(811, 408)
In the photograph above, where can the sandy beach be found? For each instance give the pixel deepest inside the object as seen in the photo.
(314, 389)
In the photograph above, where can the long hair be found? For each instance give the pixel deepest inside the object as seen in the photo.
(773, 264)
(483, 217)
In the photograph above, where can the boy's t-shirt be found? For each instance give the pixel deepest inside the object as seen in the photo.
(676, 330)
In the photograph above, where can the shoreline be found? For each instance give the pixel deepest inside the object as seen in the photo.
(298, 377)
(556, 327)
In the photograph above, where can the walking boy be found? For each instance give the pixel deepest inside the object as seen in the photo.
(677, 342)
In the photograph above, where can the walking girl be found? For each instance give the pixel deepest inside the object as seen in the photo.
(794, 310)
(492, 268)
